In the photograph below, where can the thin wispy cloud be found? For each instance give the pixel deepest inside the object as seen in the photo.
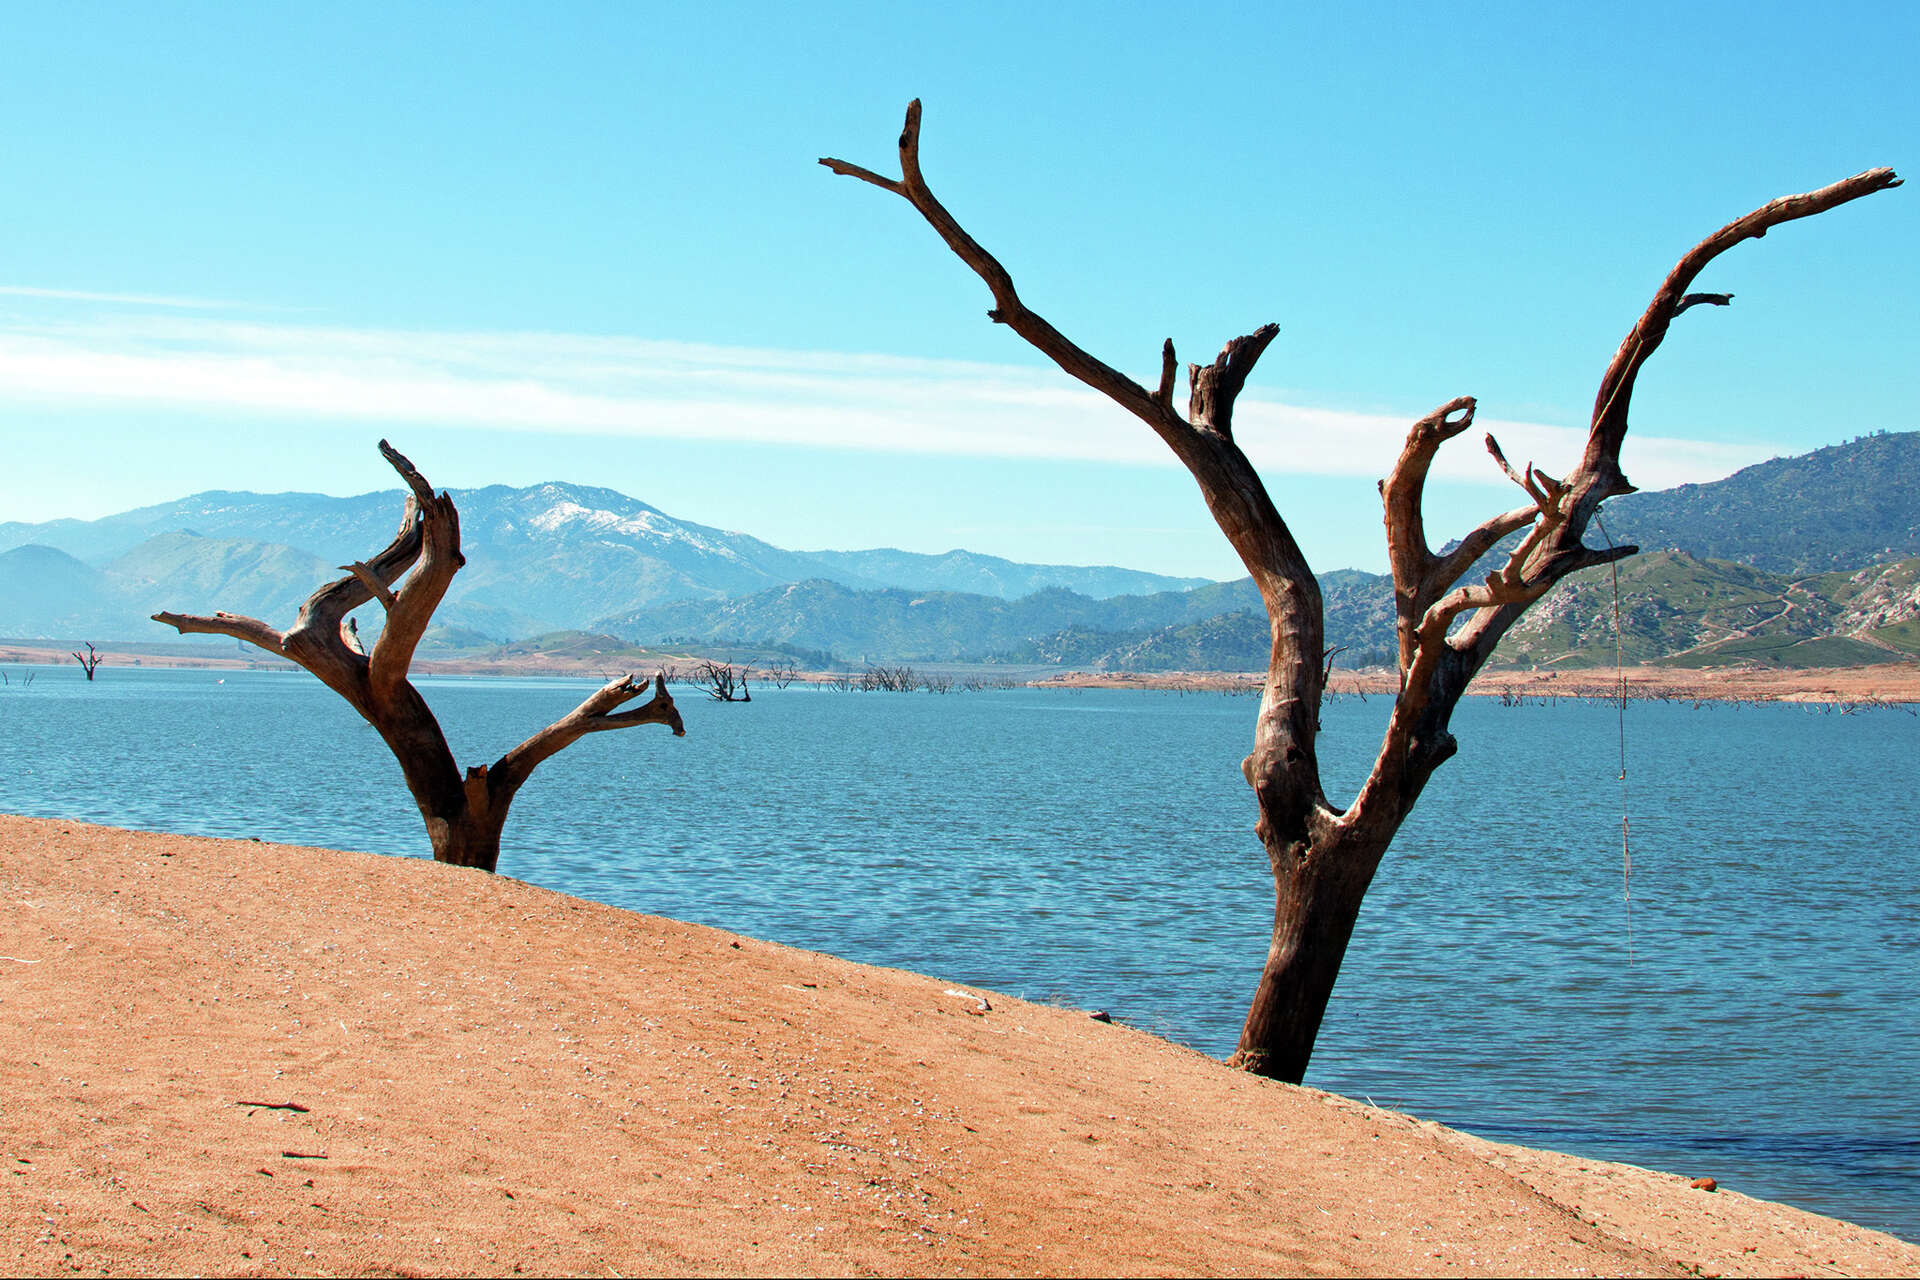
(123, 299)
(546, 382)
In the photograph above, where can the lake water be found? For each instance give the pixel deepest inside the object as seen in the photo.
(1096, 849)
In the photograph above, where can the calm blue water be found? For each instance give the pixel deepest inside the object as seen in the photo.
(1096, 848)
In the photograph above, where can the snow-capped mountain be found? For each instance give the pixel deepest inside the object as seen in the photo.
(541, 558)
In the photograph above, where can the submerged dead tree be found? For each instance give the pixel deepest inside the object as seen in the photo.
(721, 681)
(1324, 857)
(464, 812)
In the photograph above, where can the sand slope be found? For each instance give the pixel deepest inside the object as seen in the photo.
(501, 1078)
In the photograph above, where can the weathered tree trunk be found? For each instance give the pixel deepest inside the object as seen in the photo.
(463, 823)
(464, 815)
(1324, 859)
(467, 840)
(1316, 901)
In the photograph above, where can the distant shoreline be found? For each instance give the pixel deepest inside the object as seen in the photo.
(1888, 683)
(1892, 682)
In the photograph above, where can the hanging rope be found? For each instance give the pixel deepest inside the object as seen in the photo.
(1620, 698)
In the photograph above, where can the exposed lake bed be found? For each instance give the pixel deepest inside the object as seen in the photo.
(1095, 848)
(240, 1057)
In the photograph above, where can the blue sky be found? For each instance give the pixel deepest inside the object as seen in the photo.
(590, 243)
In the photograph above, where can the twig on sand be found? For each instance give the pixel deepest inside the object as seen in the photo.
(275, 1106)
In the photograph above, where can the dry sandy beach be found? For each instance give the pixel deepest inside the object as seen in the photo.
(244, 1058)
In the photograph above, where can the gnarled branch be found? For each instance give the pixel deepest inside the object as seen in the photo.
(1556, 551)
(412, 609)
(1007, 307)
(463, 813)
(1448, 568)
(371, 581)
(1402, 496)
(1599, 467)
(316, 638)
(595, 715)
(239, 626)
(1215, 387)
(1283, 758)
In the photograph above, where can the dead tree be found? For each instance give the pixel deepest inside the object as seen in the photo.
(89, 662)
(1324, 857)
(464, 812)
(721, 681)
(879, 679)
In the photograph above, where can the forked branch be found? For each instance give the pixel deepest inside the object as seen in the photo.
(1205, 444)
(1283, 760)
(1421, 577)
(412, 609)
(1215, 387)
(464, 813)
(1611, 402)
(1155, 411)
(595, 715)
(1557, 551)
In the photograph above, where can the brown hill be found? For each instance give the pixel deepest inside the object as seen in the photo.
(240, 1058)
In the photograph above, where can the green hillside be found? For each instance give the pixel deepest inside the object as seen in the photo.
(1833, 509)
(1677, 609)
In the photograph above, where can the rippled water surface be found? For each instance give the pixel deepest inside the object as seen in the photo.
(1753, 1020)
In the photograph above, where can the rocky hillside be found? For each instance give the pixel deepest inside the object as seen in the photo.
(1841, 507)
(1217, 627)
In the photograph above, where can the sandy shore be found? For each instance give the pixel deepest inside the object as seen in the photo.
(243, 1058)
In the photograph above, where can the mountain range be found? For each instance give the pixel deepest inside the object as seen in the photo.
(543, 558)
(1809, 560)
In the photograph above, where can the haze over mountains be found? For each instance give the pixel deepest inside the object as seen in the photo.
(1811, 560)
(542, 558)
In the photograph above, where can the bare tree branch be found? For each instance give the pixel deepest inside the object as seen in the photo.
(846, 170)
(316, 638)
(1559, 551)
(1283, 759)
(412, 610)
(1008, 309)
(1169, 370)
(1402, 494)
(1447, 569)
(371, 581)
(1700, 299)
(251, 630)
(1215, 387)
(463, 812)
(1599, 468)
(595, 715)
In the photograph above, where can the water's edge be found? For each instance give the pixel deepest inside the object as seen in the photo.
(1095, 848)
